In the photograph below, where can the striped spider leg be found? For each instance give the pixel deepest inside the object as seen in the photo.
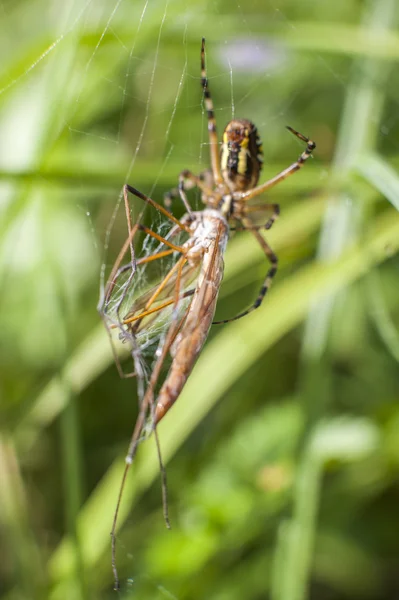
(178, 310)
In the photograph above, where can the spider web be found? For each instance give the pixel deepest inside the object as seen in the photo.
(104, 99)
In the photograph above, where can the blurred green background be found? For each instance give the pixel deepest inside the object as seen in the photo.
(283, 451)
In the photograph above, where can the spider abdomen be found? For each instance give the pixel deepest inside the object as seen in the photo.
(241, 155)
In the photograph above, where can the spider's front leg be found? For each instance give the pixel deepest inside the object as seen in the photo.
(189, 181)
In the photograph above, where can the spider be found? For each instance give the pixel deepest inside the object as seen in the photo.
(233, 180)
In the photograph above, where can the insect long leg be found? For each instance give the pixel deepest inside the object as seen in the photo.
(150, 311)
(131, 234)
(267, 281)
(139, 425)
(310, 146)
(147, 308)
(138, 262)
(126, 286)
(117, 270)
(152, 257)
(129, 222)
(164, 482)
(128, 188)
(213, 138)
(161, 239)
(146, 406)
(171, 334)
(158, 290)
(121, 270)
(177, 267)
(129, 241)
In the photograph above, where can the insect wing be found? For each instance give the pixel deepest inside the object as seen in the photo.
(147, 285)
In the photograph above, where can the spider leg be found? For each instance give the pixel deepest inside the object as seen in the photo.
(213, 138)
(268, 279)
(261, 207)
(193, 181)
(298, 164)
(188, 181)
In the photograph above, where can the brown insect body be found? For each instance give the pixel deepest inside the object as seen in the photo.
(207, 245)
